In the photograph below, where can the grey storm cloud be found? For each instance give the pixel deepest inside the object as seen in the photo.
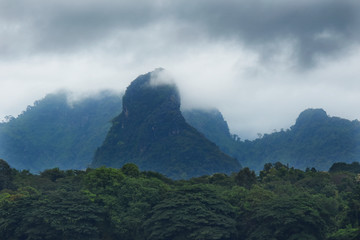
(260, 62)
(312, 28)
(69, 25)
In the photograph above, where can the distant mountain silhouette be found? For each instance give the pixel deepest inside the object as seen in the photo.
(316, 140)
(152, 133)
(211, 123)
(53, 133)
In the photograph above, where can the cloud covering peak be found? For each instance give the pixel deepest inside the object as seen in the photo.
(253, 59)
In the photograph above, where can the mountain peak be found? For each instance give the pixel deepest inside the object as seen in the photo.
(142, 98)
(157, 77)
(152, 133)
(311, 116)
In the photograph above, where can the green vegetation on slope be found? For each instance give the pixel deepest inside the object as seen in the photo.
(316, 140)
(281, 203)
(211, 123)
(152, 133)
(53, 133)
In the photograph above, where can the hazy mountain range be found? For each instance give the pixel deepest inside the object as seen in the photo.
(56, 132)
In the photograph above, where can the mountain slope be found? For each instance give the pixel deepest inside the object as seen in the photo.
(53, 133)
(152, 133)
(211, 123)
(316, 140)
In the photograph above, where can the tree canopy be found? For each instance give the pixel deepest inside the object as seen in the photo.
(106, 203)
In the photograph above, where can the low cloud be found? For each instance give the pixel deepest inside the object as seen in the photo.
(259, 62)
(161, 76)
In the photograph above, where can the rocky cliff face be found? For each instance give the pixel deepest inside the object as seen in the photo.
(152, 133)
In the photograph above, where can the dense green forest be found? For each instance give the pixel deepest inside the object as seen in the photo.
(56, 132)
(280, 203)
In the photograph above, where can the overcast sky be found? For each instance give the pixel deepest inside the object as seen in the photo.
(260, 62)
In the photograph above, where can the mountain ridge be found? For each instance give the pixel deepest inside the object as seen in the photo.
(52, 133)
(315, 140)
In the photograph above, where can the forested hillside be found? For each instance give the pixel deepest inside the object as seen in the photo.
(152, 133)
(316, 140)
(281, 203)
(52, 133)
(212, 124)
(57, 133)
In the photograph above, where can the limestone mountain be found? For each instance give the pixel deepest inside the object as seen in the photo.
(56, 132)
(315, 140)
(53, 133)
(152, 133)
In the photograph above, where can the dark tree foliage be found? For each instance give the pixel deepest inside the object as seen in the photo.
(131, 170)
(191, 213)
(6, 175)
(246, 178)
(53, 174)
(298, 217)
(58, 215)
(345, 167)
(346, 234)
(105, 203)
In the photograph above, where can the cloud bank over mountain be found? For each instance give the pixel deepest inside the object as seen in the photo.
(260, 62)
